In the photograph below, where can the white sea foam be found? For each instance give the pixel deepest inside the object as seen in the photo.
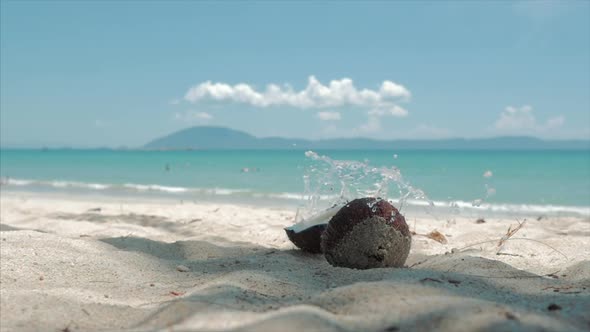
(528, 208)
(155, 187)
(294, 196)
(91, 186)
(503, 207)
(223, 191)
(128, 187)
(16, 182)
(457, 206)
(55, 184)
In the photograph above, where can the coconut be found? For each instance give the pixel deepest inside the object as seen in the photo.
(367, 233)
(306, 234)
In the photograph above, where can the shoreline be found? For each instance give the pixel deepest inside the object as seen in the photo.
(146, 265)
(440, 209)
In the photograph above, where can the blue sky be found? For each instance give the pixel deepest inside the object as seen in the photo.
(109, 73)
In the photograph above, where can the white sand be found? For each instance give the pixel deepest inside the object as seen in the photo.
(107, 264)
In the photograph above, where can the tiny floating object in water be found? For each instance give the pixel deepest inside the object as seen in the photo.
(306, 234)
(367, 233)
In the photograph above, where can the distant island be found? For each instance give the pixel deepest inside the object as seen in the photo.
(211, 138)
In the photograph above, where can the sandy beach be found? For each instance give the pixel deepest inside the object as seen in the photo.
(87, 264)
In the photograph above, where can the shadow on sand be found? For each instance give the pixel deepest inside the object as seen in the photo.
(298, 274)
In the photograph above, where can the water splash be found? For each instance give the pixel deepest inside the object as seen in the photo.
(489, 189)
(337, 182)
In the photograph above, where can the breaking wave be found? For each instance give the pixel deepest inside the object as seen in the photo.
(251, 195)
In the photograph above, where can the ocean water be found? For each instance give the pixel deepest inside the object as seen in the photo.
(539, 182)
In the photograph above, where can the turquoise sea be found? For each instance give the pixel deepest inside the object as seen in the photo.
(529, 181)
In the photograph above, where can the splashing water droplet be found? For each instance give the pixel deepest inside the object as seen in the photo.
(339, 181)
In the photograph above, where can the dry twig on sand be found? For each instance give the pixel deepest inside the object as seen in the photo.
(434, 235)
(510, 233)
(437, 236)
(508, 237)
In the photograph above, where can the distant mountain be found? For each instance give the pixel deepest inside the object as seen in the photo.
(210, 138)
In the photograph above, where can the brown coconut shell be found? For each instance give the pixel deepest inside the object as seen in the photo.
(353, 221)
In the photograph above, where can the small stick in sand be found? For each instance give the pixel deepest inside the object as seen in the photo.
(510, 233)
(437, 236)
(434, 235)
(509, 237)
(507, 254)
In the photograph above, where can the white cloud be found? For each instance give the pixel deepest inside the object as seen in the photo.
(392, 110)
(203, 116)
(390, 89)
(337, 93)
(522, 120)
(555, 122)
(193, 116)
(328, 116)
(514, 118)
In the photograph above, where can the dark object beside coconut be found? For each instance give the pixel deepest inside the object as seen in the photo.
(306, 234)
(307, 239)
(367, 233)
